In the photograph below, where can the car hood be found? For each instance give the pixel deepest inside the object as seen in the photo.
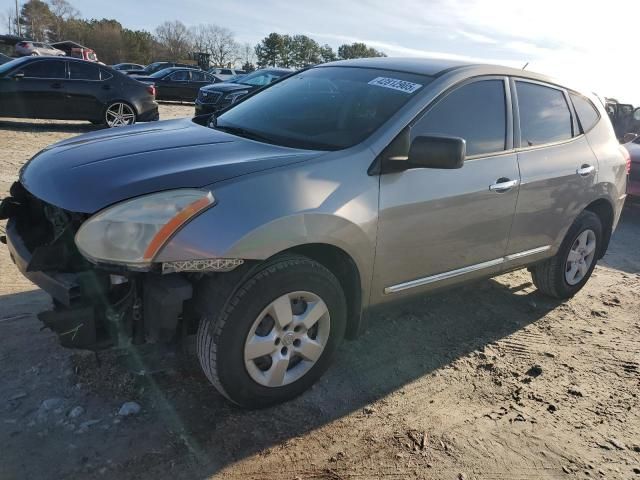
(87, 173)
(226, 87)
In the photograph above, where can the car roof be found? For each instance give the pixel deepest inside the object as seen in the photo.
(435, 67)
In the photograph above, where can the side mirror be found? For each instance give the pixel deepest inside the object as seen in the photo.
(629, 137)
(18, 75)
(437, 152)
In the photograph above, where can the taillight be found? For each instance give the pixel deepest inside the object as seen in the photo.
(152, 90)
(627, 158)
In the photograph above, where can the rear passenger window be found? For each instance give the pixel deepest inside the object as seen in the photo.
(587, 113)
(475, 112)
(83, 71)
(544, 115)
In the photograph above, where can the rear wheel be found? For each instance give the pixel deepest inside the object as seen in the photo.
(275, 335)
(563, 275)
(119, 114)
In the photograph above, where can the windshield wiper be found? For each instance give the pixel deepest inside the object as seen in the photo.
(243, 132)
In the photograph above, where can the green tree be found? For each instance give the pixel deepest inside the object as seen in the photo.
(37, 19)
(268, 50)
(327, 54)
(248, 67)
(358, 50)
(175, 39)
(61, 12)
(304, 51)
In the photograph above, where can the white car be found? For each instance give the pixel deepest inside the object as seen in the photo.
(225, 74)
(37, 49)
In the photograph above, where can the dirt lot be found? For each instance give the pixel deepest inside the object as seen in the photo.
(490, 381)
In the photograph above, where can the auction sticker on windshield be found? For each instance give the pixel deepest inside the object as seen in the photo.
(395, 84)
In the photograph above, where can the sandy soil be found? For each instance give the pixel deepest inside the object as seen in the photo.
(488, 381)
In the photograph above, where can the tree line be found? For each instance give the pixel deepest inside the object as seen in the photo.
(57, 20)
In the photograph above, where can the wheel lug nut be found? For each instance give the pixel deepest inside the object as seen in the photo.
(284, 350)
(296, 342)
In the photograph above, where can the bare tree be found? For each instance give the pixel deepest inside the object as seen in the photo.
(175, 39)
(62, 12)
(9, 21)
(247, 54)
(217, 41)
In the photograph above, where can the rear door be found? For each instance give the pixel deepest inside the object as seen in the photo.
(41, 92)
(557, 166)
(85, 91)
(198, 80)
(438, 225)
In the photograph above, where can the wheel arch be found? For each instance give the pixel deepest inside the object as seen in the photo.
(344, 267)
(604, 210)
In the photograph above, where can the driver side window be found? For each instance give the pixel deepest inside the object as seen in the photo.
(475, 112)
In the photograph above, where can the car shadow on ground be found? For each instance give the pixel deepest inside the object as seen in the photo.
(400, 345)
(48, 126)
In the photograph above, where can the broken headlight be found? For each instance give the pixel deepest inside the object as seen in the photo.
(133, 232)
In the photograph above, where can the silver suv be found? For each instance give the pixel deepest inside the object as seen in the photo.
(270, 231)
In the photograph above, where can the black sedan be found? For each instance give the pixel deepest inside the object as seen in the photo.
(156, 67)
(178, 83)
(124, 67)
(73, 89)
(221, 95)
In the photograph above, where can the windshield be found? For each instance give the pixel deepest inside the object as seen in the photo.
(260, 78)
(153, 67)
(161, 73)
(5, 67)
(327, 108)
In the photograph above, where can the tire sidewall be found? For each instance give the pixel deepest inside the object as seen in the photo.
(247, 305)
(586, 221)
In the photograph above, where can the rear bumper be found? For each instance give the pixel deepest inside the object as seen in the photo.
(64, 287)
(151, 114)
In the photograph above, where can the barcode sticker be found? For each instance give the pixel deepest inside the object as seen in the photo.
(395, 84)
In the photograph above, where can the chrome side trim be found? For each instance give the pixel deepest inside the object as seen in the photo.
(442, 276)
(526, 253)
(419, 282)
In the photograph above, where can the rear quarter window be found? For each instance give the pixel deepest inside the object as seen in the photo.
(544, 114)
(587, 114)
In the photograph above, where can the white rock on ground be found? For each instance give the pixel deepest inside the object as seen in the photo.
(129, 408)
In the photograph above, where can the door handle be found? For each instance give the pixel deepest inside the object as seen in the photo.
(503, 185)
(585, 170)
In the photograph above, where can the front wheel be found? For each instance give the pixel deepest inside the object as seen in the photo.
(563, 275)
(275, 335)
(119, 114)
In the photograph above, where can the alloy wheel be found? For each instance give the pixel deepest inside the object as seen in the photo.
(120, 115)
(287, 339)
(580, 257)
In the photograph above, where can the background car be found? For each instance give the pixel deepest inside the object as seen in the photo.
(37, 49)
(75, 50)
(216, 97)
(178, 83)
(73, 89)
(157, 66)
(4, 58)
(225, 73)
(633, 185)
(127, 66)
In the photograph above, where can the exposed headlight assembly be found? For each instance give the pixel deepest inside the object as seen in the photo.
(133, 232)
(234, 96)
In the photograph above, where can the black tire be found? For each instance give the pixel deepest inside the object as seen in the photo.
(228, 313)
(549, 276)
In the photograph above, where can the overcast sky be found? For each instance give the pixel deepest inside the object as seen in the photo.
(590, 42)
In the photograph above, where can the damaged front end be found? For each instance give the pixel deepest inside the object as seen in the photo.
(94, 305)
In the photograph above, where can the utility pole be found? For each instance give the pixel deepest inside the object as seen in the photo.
(18, 20)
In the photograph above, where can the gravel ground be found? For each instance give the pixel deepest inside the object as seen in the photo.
(488, 381)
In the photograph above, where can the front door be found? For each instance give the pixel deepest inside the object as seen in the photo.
(40, 93)
(437, 226)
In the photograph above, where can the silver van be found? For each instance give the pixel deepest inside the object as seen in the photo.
(270, 231)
